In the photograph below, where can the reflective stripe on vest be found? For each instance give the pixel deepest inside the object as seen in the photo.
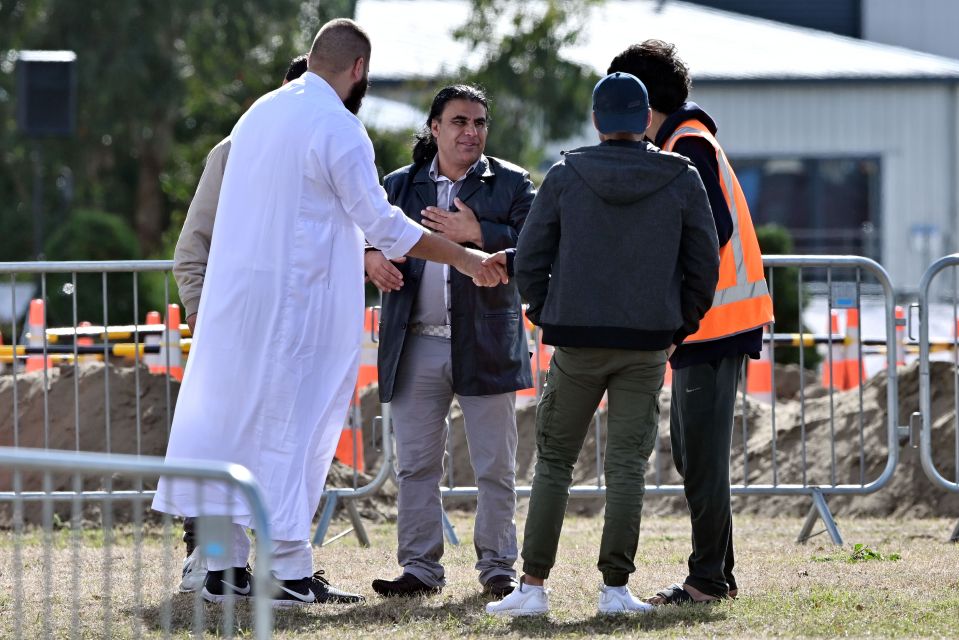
(742, 290)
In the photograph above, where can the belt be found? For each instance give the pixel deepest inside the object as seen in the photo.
(435, 330)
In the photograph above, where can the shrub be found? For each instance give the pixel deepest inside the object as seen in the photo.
(775, 240)
(92, 235)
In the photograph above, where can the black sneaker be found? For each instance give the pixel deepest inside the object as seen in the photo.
(499, 586)
(315, 588)
(220, 585)
(406, 586)
(326, 592)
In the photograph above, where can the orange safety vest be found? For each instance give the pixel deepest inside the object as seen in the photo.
(742, 301)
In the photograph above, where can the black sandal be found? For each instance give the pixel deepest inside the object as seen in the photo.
(674, 594)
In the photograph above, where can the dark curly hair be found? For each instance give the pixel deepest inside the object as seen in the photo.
(297, 68)
(424, 147)
(656, 64)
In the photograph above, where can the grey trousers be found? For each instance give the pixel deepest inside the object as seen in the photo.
(421, 402)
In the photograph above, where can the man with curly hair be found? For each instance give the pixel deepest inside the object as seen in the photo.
(706, 364)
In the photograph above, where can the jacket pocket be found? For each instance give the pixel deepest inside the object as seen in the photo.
(498, 337)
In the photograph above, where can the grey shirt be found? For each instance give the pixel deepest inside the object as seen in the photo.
(193, 245)
(432, 304)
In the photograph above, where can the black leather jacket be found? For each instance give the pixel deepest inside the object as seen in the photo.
(489, 349)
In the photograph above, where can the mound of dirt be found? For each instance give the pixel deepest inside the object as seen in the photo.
(803, 449)
(80, 417)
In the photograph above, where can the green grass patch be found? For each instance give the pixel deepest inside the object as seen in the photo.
(786, 590)
(859, 553)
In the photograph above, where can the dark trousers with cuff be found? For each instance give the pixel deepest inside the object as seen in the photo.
(575, 384)
(189, 534)
(701, 425)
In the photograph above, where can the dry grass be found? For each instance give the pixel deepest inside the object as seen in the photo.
(786, 589)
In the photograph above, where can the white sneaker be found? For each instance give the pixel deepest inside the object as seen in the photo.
(194, 572)
(525, 600)
(619, 600)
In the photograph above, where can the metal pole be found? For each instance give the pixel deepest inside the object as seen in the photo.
(37, 160)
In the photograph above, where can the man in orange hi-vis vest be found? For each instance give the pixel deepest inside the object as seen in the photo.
(707, 364)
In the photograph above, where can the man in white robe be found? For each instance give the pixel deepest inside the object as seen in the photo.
(277, 342)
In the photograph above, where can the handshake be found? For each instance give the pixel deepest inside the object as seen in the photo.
(491, 270)
(486, 270)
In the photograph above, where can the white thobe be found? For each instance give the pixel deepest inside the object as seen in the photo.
(275, 355)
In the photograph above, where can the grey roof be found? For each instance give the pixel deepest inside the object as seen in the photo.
(413, 39)
(390, 115)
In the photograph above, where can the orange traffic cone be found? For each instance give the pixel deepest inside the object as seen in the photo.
(171, 356)
(368, 373)
(85, 341)
(833, 367)
(900, 336)
(759, 376)
(36, 327)
(349, 450)
(855, 372)
(152, 360)
(531, 333)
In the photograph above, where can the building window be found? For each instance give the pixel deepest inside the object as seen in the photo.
(830, 205)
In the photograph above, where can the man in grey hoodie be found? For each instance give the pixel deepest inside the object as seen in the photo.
(618, 254)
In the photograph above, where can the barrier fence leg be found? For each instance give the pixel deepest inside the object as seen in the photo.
(955, 534)
(357, 522)
(819, 510)
(326, 516)
(449, 531)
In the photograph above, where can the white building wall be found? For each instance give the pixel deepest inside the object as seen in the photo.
(911, 127)
(923, 25)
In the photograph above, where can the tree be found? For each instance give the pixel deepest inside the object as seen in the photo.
(536, 95)
(329, 9)
(158, 84)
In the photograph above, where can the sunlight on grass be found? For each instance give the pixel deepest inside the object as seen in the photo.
(899, 579)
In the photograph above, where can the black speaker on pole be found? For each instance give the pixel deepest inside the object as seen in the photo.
(46, 93)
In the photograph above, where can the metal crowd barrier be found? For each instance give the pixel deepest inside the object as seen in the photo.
(122, 433)
(37, 431)
(848, 280)
(52, 581)
(950, 263)
(847, 294)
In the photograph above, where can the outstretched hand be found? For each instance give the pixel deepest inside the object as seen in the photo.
(499, 258)
(485, 272)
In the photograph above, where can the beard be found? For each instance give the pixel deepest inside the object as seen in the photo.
(354, 100)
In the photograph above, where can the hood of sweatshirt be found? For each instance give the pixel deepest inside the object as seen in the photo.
(689, 111)
(625, 173)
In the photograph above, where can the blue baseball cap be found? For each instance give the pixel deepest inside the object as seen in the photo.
(621, 104)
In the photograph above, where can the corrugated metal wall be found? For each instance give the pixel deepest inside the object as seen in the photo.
(910, 126)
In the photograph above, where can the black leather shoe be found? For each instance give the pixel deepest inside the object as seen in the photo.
(406, 586)
(499, 586)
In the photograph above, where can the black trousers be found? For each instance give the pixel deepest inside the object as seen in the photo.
(189, 534)
(701, 425)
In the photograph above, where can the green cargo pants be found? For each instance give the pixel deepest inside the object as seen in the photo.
(575, 384)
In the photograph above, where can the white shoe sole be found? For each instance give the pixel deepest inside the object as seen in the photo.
(188, 586)
(219, 599)
(517, 613)
(290, 604)
(617, 612)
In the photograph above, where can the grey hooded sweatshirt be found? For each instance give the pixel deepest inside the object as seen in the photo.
(619, 249)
